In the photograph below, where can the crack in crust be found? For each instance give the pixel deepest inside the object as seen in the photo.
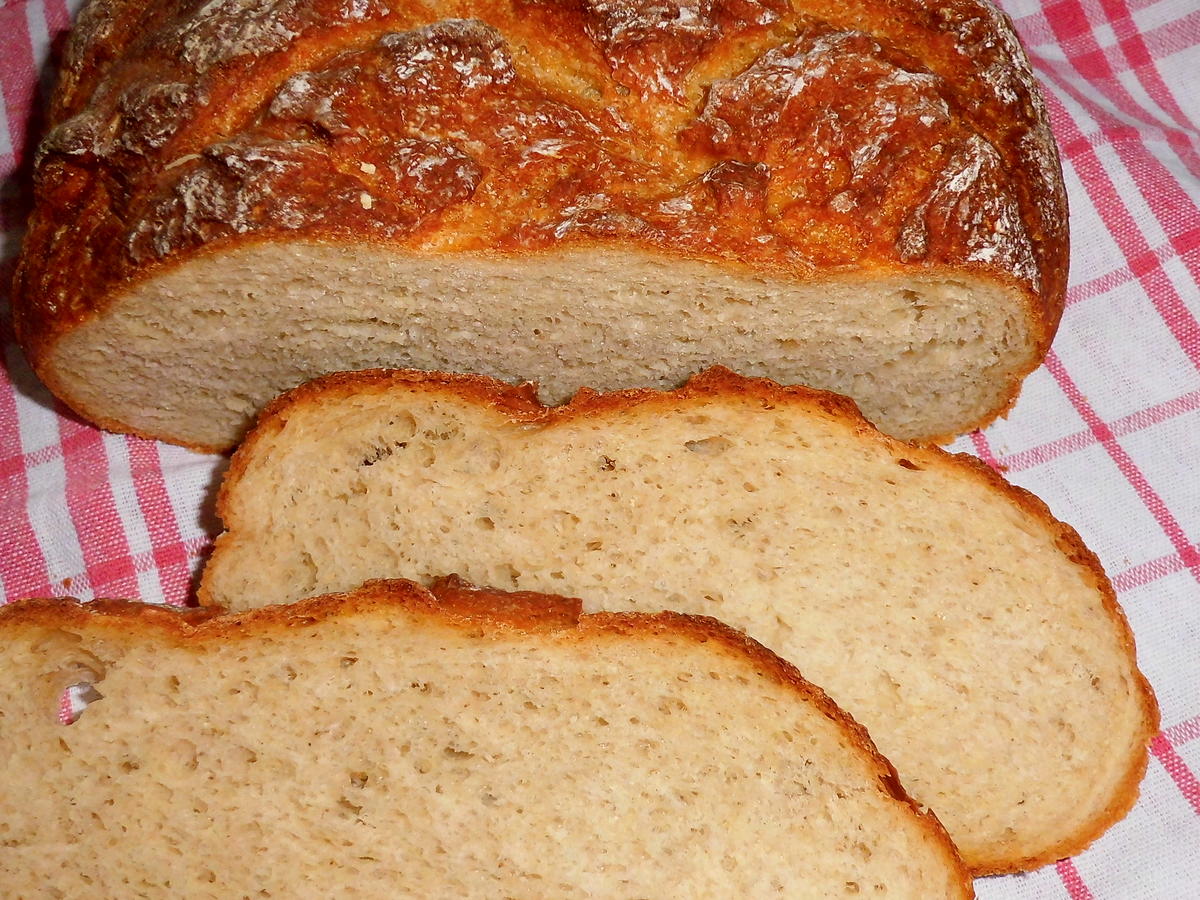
(651, 45)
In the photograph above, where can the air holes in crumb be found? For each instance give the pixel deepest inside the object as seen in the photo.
(914, 300)
(710, 446)
(359, 779)
(184, 751)
(486, 523)
(455, 753)
(348, 661)
(507, 573)
(402, 425)
(382, 452)
(607, 464)
(908, 464)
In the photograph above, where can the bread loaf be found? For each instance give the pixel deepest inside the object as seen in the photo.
(397, 743)
(972, 634)
(235, 196)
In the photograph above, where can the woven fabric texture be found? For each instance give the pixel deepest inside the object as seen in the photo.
(1107, 431)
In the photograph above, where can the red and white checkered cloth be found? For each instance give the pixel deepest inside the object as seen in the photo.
(1107, 431)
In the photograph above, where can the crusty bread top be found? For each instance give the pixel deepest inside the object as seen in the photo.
(856, 135)
(260, 686)
(969, 611)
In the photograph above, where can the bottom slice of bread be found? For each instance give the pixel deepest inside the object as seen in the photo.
(461, 743)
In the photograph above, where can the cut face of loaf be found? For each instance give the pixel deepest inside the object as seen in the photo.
(864, 196)
(928, 355)
(973, 635)
(397, 743)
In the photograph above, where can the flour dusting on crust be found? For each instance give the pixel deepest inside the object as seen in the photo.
(222, 30)
(853, 131)
(651, 45)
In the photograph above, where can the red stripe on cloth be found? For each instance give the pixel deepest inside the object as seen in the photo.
(1148, 572)
(66, 709)
(1187, 243)
(58, 17)
(1166, 40)
(1049, 451)
(1126, 425)
(1072, 880)
(1076, 33)
(1171, 205)
(1184, 732)
(92, 508)
(1133, 46)
(1130, 238)
(983, 449)
(25, 570)
(1184, 778)
(1149, 497)
(18, 75)
(18, 464)
(170, 555)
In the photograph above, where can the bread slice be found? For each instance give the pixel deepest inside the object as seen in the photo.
(397, 743)
(235, 197)
(974, 635)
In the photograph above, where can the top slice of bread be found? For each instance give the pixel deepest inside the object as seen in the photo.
(973, 634)
(398, 743)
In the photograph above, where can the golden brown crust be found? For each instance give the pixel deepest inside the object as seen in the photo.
(454, 603)
(850, 136)
(526, 610)
(520, 405)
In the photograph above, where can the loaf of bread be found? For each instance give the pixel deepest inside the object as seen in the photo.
(396, 743)
(973, 635)
(236, 196)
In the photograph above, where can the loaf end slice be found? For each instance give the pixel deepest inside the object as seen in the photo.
(972, 633)
(402, 742)
(864, 196)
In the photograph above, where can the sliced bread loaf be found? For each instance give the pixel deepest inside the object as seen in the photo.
(398, 743)
(234, 197)
(974, 635)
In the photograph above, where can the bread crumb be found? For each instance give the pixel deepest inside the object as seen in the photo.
(366, 200)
